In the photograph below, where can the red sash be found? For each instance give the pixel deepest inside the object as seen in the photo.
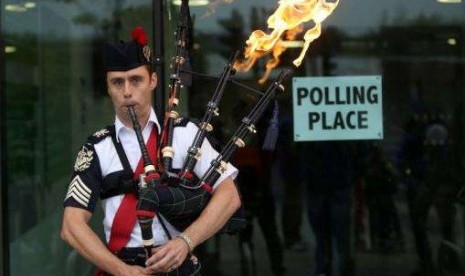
(125, 217)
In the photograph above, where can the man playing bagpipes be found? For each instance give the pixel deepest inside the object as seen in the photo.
(110, 164)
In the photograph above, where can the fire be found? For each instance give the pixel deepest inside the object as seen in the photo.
(286, 23)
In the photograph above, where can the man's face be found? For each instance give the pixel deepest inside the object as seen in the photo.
(133, 87)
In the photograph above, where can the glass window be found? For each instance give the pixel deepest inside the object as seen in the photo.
(55, 98)
(386, 195)
(391, 206)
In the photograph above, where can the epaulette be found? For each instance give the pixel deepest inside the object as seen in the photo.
(182, 122)
(101, 134)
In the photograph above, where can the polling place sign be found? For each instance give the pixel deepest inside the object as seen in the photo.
(337, 108)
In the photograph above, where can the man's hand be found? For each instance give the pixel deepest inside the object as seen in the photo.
(135, 270)
(168, 257)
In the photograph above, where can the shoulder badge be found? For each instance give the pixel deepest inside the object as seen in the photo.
(83, 159)
(101, 133)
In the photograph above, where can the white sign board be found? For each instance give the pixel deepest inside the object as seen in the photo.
(337, 108)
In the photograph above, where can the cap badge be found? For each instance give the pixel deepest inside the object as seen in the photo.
(146, 52)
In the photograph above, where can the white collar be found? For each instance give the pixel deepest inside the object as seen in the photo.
(152, 120)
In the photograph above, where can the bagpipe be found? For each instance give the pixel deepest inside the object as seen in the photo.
(180, 197)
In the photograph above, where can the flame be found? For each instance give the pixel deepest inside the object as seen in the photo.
(286, 22)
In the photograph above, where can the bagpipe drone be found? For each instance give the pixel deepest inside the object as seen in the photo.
(180, 197)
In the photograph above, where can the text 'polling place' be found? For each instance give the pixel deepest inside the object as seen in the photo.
(337, 108)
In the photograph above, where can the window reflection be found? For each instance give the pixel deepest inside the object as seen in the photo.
(416, 48)
(55, 97)
(400, 186)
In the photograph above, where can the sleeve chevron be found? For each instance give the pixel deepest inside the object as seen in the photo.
(79, 191)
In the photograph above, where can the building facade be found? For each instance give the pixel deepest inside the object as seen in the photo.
(53, 95)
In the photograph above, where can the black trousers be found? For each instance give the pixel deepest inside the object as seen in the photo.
(137, 256)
